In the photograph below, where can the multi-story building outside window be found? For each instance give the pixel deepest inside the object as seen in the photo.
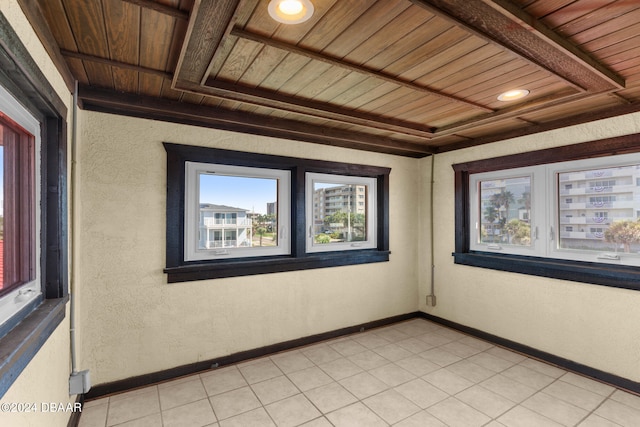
(339, 199)
(272, 208)
(341, 212)
(598, 198)
(332, 200)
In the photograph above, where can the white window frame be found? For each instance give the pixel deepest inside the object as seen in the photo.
(605, 257)
(545, 210)
(25, 294)
(537, 219)
(371, 208)
(193, 170)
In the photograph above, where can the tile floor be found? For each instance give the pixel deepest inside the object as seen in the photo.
(413, 373)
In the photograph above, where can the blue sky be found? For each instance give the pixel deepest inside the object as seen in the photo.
(251, 194)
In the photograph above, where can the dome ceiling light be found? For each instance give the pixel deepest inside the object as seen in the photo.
(290, 11)
(512, 95)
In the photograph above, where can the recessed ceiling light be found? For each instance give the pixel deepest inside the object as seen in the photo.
(512, 95)
(290, 11)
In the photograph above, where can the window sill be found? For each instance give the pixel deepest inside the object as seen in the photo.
(248, 267)
(23, 342)
(617, 276)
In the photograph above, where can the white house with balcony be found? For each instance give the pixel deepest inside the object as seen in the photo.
(224, 227)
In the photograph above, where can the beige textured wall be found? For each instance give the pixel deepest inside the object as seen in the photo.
(133, 322)
(593, 325)
(46, 377)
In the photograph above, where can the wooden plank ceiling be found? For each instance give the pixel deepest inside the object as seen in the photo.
(407, 77)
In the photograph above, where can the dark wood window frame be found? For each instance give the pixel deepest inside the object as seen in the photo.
(179, 270)
(627, 277)
(29, 329)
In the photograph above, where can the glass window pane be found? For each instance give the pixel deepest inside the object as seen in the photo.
(598, 209)
(505, 211)
(339, 213)
(237, 212)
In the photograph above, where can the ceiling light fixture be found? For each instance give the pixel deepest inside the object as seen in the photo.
(290, 11)
(512, 95)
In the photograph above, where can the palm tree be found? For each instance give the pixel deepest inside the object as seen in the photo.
(501, 201)
(260, 226)
(525, 200)
(490, 215)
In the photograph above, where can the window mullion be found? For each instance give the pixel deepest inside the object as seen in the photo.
(542, 201)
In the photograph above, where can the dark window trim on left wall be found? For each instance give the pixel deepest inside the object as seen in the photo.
(20, 75)
(179, 270)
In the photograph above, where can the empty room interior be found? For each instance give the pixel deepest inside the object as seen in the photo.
(319, 212)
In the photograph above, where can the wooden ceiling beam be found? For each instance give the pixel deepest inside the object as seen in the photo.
(539, 104)
(549, 36)
(243, 14)
(210, 21)
(117, 64)
(265, 98)
(502, 23)
(564, 122)
(240, 121)
(238, 32)
(159, 7)
(515, 111)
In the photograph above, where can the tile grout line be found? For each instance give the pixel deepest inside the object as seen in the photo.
(602, 403)
(217, 421)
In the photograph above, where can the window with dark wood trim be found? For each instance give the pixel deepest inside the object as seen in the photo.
(178, 269)
(27, 330)
(623, 276)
